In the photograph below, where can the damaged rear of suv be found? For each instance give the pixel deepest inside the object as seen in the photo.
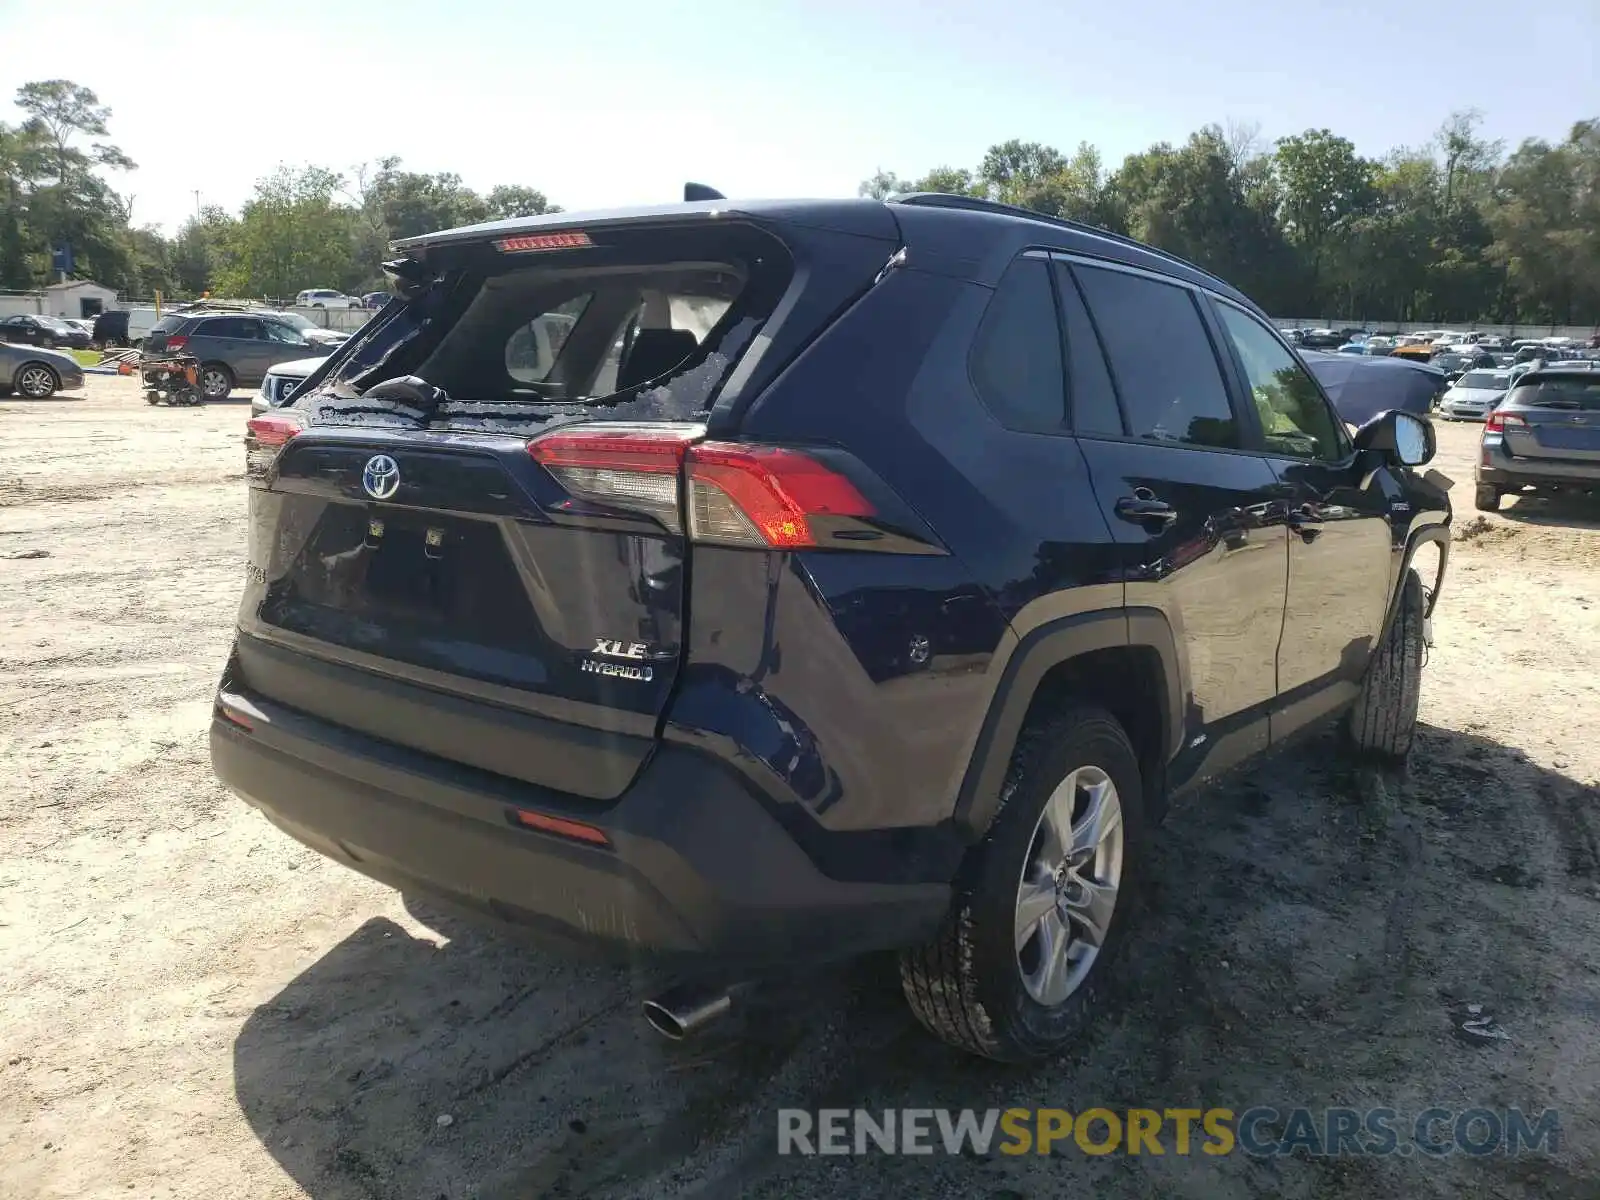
(756, 585)
(464, 662)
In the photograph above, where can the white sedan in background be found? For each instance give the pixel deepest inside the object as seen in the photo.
(1474, 395)
(325, 298)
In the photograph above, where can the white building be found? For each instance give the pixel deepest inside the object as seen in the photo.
(78, 298)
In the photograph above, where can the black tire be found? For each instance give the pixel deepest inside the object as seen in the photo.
(152, 397)
(1383, 722)
(212, 371)
(1486, 498)
(967, 986)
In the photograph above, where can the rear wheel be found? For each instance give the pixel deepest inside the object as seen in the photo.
(216, 381)
(1486, 498)
(36, 381)
(1043, 901)
(1384, 719)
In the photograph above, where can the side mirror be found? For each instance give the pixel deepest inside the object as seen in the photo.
(1403, 436)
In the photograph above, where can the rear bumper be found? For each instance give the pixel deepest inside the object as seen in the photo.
(696, 867)
(1497, 467)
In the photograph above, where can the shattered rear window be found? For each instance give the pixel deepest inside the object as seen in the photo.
(646, 327)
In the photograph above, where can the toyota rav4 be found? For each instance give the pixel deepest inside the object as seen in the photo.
(752, 585)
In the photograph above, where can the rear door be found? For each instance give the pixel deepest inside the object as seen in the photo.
(1191, 508)
(1559, 420)
(456, 571)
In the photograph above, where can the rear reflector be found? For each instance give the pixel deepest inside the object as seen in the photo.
(624, 467)
(560, 826)
(764, 495)
(524, 243)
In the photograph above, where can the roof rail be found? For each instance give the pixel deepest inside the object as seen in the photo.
(978, 204)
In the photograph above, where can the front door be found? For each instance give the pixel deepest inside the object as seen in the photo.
(1341, 543)
(1192, 509)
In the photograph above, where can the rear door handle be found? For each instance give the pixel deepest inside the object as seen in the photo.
(1305, 520)
(1143, 508)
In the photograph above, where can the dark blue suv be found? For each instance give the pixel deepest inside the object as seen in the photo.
(751, 585)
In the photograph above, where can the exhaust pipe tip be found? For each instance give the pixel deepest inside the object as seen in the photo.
(681, 1013)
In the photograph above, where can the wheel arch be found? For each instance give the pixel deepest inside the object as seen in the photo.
(1436, 539)
(1125, 660)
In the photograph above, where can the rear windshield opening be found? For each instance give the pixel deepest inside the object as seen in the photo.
(633, 328)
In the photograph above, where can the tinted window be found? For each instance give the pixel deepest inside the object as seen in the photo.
(1091, 397)
(1295, 419)
(170, 324)
(1560, 392)
(227, 327)
(1165, 369)
(1016, 355)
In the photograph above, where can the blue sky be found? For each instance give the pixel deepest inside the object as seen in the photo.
(615, 103)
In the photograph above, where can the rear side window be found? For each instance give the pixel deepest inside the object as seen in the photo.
(226, 327)
(170, 324)
(1016, 354)
(1161, 358)
(1093, 398)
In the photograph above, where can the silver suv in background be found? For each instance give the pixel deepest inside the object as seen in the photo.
(1544, 435)
(235, 349)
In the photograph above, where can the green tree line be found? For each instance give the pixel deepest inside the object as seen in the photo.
(301, 227)
(1457, 230)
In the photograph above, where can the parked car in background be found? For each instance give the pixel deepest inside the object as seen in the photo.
(307, 328)
(110, 329)
(376, 299)
(1544, 435)
(1352, 348)
(1412, 352)
(37, 373)
(280, 381)
(1322, 339)
(35, 329)
(234, 349)
(1470, 397)
(141, 321)
(325, 298)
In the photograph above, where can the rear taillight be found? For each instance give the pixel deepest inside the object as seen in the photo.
(177, 341)
(739, 495)
(274, 429)
(265, 438)
(624, 467)
(764, 495)
(1498, 421)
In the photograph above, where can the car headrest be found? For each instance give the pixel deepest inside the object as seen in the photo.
(654, 352)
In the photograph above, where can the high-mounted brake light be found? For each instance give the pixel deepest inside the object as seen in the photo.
(523, 243)
(764, 495)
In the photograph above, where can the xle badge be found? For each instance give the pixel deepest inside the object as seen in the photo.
(631, 652)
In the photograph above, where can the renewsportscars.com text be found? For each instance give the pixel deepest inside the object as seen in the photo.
(1261, 1131)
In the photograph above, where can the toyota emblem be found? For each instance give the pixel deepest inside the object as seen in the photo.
(381, 477)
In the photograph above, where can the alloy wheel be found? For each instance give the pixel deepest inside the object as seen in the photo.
(1068, 891)
(36, 382)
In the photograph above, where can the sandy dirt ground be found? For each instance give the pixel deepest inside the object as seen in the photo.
(191, 1005)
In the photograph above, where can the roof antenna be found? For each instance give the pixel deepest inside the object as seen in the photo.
(699, 191)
